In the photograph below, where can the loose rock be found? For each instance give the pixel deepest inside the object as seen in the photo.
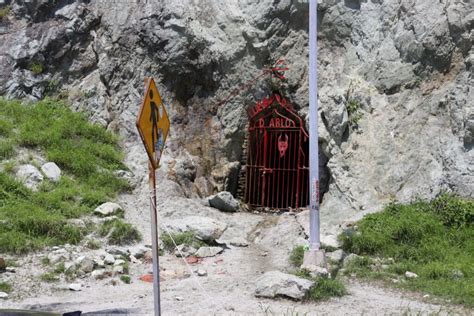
(350, 258)
(99, 274)
(204, 252)
(184, 250)
(335, 256)
(109, 259)
(205, 228)
(30, 176)
(75, 287)
(224, 201)
(3, 295)
(108, 209)
(58, 256)
(201, 272)
(411, 275)
(276, 283)
(51, 171)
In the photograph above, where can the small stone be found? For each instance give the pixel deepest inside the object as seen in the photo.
(118, 269)
(51, 171)
(224, 201)
(139, 252)
(204, 252)
(317, 271)
(426, 296)
(411, 275)
(99, 274)
(99, 263)
(109, 259)
(3, 295)
(179, 298)
(55, 248)
(201, 272)
(119, 262)
(75, 287)
(108, 209)
(84, 264)
(10, 269)
(239, 242)
(455, 274)
(58, 255)
(335, 256)
(184, 250)
(30, 176)
(118, 251)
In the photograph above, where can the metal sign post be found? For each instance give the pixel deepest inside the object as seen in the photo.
(154, 240)
(314, 256)
(153, 126)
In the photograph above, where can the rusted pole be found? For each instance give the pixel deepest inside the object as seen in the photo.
(154, 240)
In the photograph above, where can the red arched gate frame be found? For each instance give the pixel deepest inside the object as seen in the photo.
(277, 156)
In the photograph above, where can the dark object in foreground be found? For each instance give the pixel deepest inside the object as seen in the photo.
(114, 311)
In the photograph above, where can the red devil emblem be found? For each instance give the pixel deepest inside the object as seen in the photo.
(282, 145)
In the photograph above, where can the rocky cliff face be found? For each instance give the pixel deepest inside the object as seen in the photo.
(395, 84)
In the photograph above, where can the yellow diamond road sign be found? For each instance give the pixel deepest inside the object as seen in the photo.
(153, 123)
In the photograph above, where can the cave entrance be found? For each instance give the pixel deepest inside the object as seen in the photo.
(277, 168)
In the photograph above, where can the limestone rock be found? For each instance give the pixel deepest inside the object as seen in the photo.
(3, 295)
(410, 275)
(224, 201)
(59, 255)
(350, 258)
(51, 171)
(335, 256)
(109, 259)
(108, 209)
(29, 175)
(204, 252)
(84, 264)
(184, 250)
(99, 274)
(201, 272)
(205, 228)
(275, 283)
(75, 287)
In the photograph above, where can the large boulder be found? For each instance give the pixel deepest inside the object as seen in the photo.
(224, 201)
(276, 283)
(204, 228)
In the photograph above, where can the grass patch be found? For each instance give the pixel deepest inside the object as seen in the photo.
(4, 12)
(5, 287)
(353, 112)
(126, 279)
(119, 232)
(432, 239)
(88, 156)
(36, 68)
(325, 289)
(297, 256)
(49, 277)
(188, 238)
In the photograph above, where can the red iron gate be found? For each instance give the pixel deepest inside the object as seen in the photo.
(277, 172)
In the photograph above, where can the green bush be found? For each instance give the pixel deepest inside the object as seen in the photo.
(4, 12)
(297, 256)
(36, 68)
(325, 289)
(432, 239)
(5, 287)
(119, 232)
(188, 238)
